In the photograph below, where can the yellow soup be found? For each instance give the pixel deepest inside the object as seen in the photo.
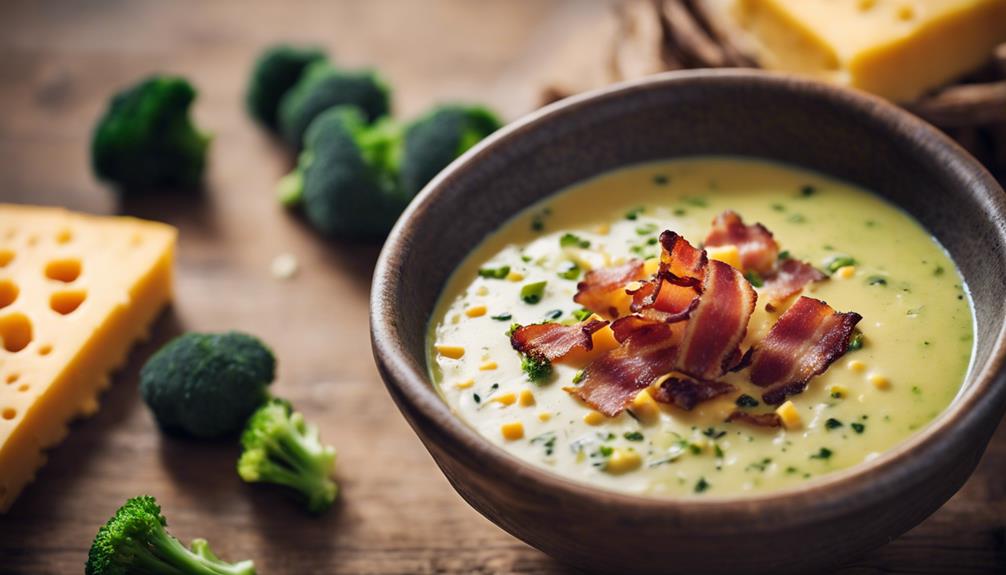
(916, 346)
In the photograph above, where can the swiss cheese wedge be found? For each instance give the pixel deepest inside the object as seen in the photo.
(76, 292)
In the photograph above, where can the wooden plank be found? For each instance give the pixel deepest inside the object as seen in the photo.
(397, 513)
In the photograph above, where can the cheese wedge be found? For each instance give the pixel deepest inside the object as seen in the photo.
(898, 49)
(76, 292)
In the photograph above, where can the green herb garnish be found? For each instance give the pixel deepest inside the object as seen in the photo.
(701, 485)
(502, 317)
(855, 340)
(581, 314)
(570, 272)
(857, 427)
(533, 292)
(823, 453)
(633, 436)
(746, 400)
(832, 423)
(840, 262)
(573, 241)
(754, 278)
(876, 280)
(494, 273)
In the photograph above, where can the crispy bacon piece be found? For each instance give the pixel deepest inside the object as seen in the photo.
(803, 343)
(789, 277)
(602, 288)
(758, 249)
(612, 381)
(666, 298)
(552, 341)
(680, 258)
(770, 419)
(686, 393)
(715, 329)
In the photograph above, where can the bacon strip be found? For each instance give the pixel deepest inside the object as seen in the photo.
(758, 249)
(611, 382)
(789, 277)
(803, 343)
(770, 419)
(687, 393)
(602, 288)
(717, 326)
(552, 341)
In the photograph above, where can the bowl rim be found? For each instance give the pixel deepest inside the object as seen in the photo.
(827, 495)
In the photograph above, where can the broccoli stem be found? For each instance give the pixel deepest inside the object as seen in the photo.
(291, 189)
(178, 559)
(307, 463)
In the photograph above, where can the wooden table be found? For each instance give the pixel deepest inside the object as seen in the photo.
(397, 514)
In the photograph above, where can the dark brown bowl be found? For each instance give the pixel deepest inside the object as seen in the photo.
(852, 136)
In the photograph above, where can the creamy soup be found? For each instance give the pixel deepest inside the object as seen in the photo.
(907, 360)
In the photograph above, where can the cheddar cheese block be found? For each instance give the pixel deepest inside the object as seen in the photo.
(76, 292)
(898, 49)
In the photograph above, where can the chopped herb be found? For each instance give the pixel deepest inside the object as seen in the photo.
(680, 211)
(823, 453)
(839, 262)
(754, 278)
(857, 427)
(697, 202)
(578, 376)
(938, 271)
(713, 433)
(533, 292)
(701, 485)
(477, 398)
(554, 314)
(547, 439)
(870, 223)
(537, 369)
(855, 340)
(581, 314)
(792, 470)
(916, 390)
(525, 259)
(661, 179)
(513, 327)
(633, 214)
(495, 273)
(796, 218)
(807, 191)
(646, 229)
(633, 436)
(605, 450)
(779, 207)
(832, 423)
(573, 241)
(784, 255)
(717, 451)
(502, 317)
(876, 281)
(762, 465)
(651, 242)
(570, 271)
(914, 312)
(746, 400)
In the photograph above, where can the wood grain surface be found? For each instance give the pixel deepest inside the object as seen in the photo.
(59, 61)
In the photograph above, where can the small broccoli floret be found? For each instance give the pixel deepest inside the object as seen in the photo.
(435, 140)
(147, 140)
(277, 70)
(206, 385)
(537, 369)
(134, 541)
(322, 87)
(281, 447)
(346, 179)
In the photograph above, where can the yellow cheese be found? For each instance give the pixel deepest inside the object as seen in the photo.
(898, 49)
(75, 293)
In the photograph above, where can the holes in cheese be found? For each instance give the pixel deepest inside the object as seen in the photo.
(15, 331)
(45, 349)
(64, 236)
(6, 257)
(9, 413)
(64, 270)
(66, 302)
(12, 378)
(8, 293)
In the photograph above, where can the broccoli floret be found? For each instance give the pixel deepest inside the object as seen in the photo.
(436, 139)
(346, 179)
(206, 385)
(322, 87)
(277, 69)
(537, 369)
(281, 447)
(135, 541)
(147, 140)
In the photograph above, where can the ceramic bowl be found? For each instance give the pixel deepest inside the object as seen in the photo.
(841, 133)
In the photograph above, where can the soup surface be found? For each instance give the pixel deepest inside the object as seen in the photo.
(907, 365)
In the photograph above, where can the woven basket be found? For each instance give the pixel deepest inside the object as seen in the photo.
(651, 36)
